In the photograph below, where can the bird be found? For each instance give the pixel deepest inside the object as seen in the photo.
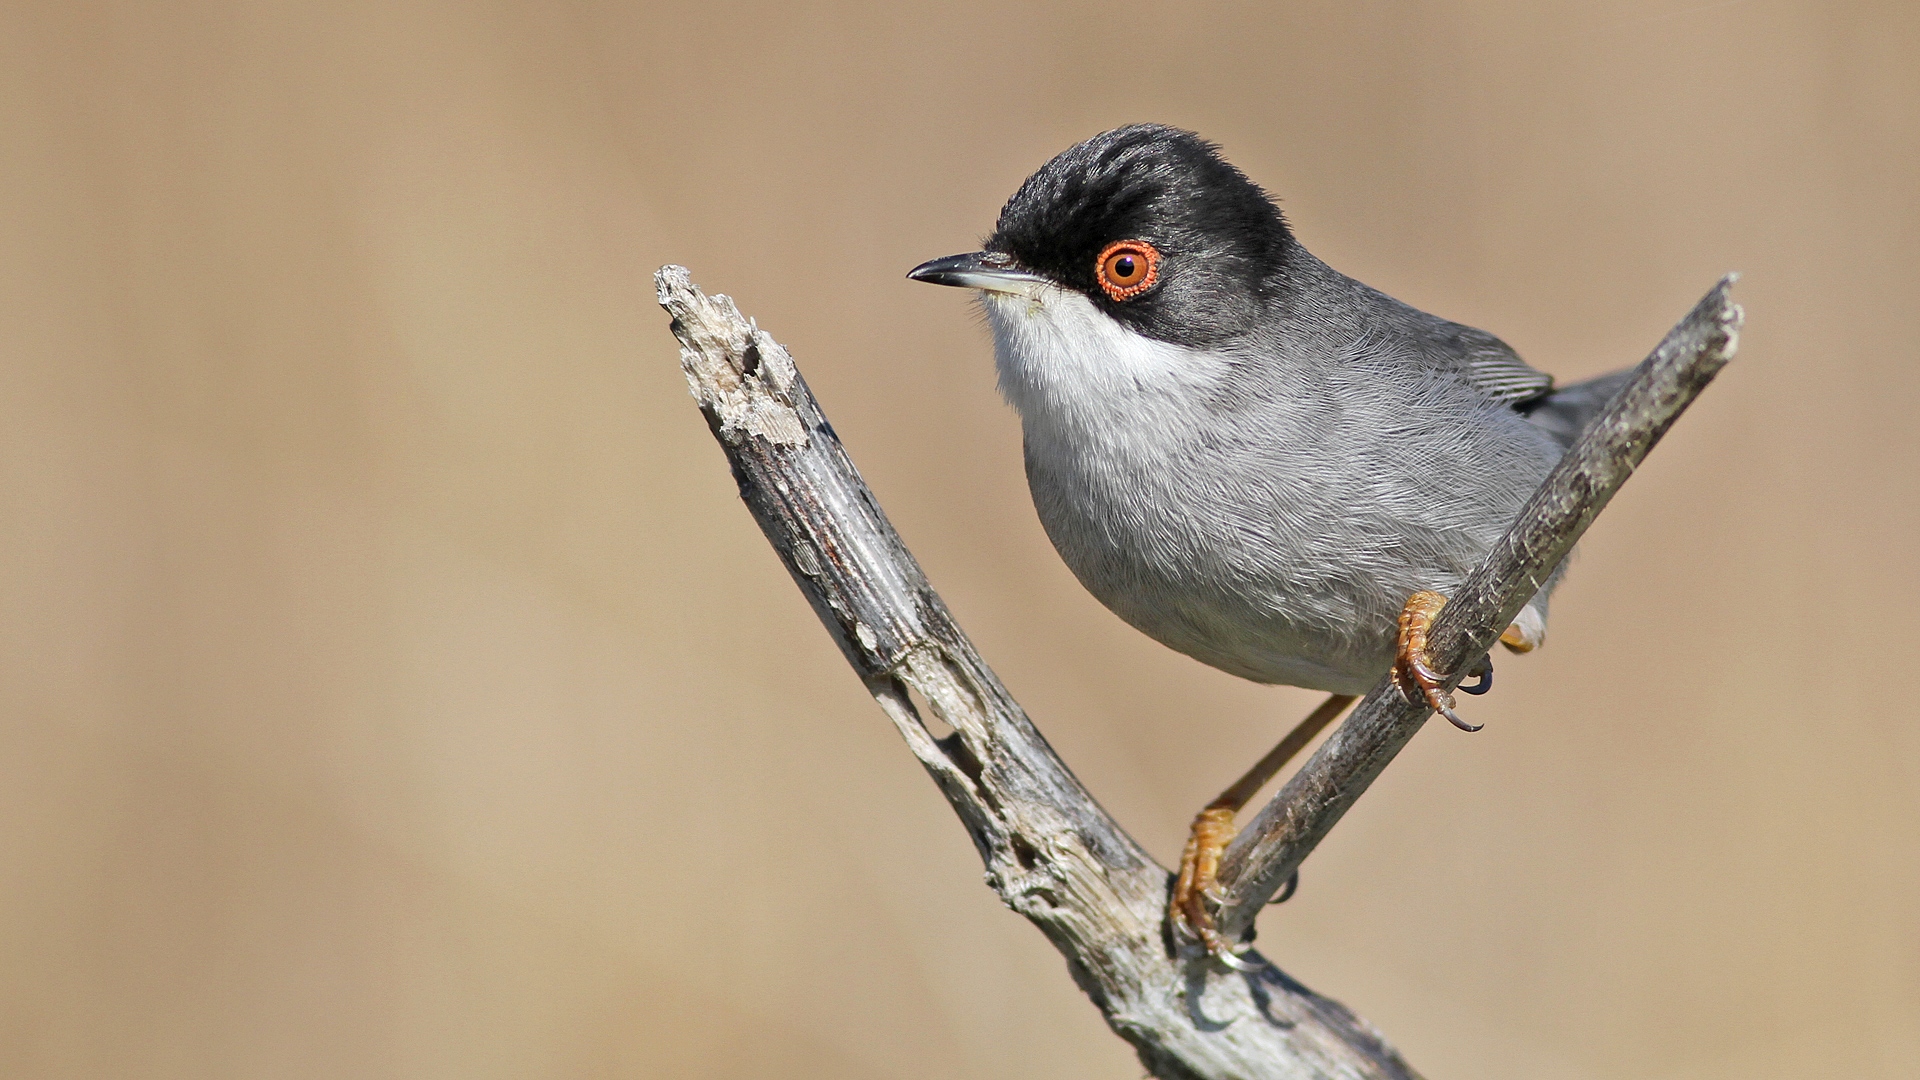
(1249, 456)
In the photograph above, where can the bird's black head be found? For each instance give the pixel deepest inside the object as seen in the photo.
(1155, 228)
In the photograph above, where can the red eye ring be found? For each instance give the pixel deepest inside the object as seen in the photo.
(1127, 268)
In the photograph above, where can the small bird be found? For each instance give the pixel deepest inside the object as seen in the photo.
(1249, 456)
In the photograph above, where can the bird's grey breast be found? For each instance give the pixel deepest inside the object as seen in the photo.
(1266, 510)
(1194, 493)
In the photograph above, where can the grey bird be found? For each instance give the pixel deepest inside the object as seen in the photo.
(1249, 456)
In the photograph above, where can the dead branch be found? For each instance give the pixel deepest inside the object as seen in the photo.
(1051, 853)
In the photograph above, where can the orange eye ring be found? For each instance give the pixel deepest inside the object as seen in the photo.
(1127, 268)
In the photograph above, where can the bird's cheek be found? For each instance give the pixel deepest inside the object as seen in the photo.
(1010, 306)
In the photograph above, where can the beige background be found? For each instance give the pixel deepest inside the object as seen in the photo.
(392, 686)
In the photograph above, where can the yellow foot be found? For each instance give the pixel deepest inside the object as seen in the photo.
(1413, 668)
(1194, 890)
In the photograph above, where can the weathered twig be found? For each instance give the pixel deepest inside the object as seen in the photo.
(1051, 852)
(1275, 842)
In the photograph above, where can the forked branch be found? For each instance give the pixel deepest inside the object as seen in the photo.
(1051, 852)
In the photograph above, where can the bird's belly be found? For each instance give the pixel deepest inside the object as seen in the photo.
(1305, 610)
(1269, 655)
(1265, 637)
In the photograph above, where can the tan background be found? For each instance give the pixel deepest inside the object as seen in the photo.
(391, 685)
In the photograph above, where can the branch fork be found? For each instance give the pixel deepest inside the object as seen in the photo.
(1051, 852)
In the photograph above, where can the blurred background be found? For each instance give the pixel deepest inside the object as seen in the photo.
(391, 684)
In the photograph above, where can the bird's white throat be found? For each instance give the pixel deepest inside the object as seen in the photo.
(1075, 373)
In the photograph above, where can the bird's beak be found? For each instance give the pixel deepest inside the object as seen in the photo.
(987, 270)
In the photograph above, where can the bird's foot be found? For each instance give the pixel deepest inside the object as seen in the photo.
(1413, 669)
(1194, 890)
(1516, 639)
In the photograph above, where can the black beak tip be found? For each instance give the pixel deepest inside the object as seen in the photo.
(926, 271)
(950, 270)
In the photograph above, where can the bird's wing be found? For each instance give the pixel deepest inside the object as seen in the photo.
(1565, 412)
(1476, 357)
(1492, 367)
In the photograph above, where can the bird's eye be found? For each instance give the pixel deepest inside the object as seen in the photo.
(1127, 268)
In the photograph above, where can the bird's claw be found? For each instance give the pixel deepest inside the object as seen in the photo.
(1189, 909)
(1286, 891)
(1411, 670)
(1232, 958)
(1484, 677)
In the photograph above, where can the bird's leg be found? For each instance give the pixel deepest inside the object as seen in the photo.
(1213, 829)
(1412, 667)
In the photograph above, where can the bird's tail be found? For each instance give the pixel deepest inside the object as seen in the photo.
(1565, 412)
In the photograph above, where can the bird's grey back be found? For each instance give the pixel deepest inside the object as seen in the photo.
(1484, 361)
